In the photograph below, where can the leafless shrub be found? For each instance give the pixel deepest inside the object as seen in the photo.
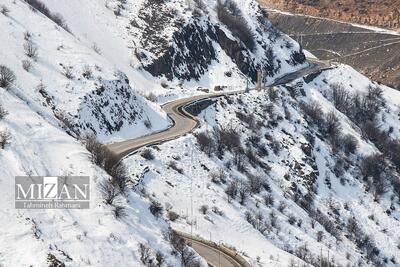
(28, 36)
(172, 164)
(273, 94)
(226, 139)
(96, 48)
(216, 210)
(5, 138)
(332, 126)
(204, 209)
(156, 208)
(119, 211)
(172, 216)
(269, 200)
(87, 72)
(100, 154)
(3, 112)
(31, 50)
(292, 219)
(145, 254)
(7, 77)
(108, 191)
(147, 123)
(255, 183)
(282, 206)
(374, 169)
(26, 65)
(67, 72)
(4, 10)
(232, 190)
(119, 174)
(243, 193)
(350, 144)
(147, 154)
(320, 236)
(341, 98)
(151, 97)
(218, 177)
(206, 142)
(314, 111)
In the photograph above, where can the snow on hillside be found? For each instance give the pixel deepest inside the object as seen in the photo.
(296, 191)
(72, 79)
(180, 42)
(299, 189)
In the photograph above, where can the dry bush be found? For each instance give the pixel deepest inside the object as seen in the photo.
(4, 10)
(145, 254)
(28, 36)
(87, 72)
(119, 174)
(147, 154)
(67, 72)
(350, 144)
(232, 190)
(96, 48)
(3, 112)
(173, 216)
(172, 164)
(206, 143)
(147, 123)
(119, 211)
(100, 154)
(156, 208)
(26, 65)
(204, 209)
(108, 191)
(314, 111)
(31, 50)
(7, 77)
(5, 138)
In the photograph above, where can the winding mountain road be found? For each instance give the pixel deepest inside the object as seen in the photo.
(183, 123)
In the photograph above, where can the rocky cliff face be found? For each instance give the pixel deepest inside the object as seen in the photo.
(376, 12)
(204, 34)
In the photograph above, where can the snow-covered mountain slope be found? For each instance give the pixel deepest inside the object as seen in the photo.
(182, 43)
(85, 74)
(286, 175)
(76, 74)
(72, 79)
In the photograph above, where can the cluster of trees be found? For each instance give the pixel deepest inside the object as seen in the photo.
(5, 136)
(363, 109)
(330, 127)
(364, 242)
(119, 182)
(230, 15)
(37, 5)
(150, 258)
(187, 256)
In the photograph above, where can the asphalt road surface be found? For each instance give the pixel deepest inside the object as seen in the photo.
(213, 256)
(184, 123)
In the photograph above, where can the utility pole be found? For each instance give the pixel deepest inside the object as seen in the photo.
(320, 259)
